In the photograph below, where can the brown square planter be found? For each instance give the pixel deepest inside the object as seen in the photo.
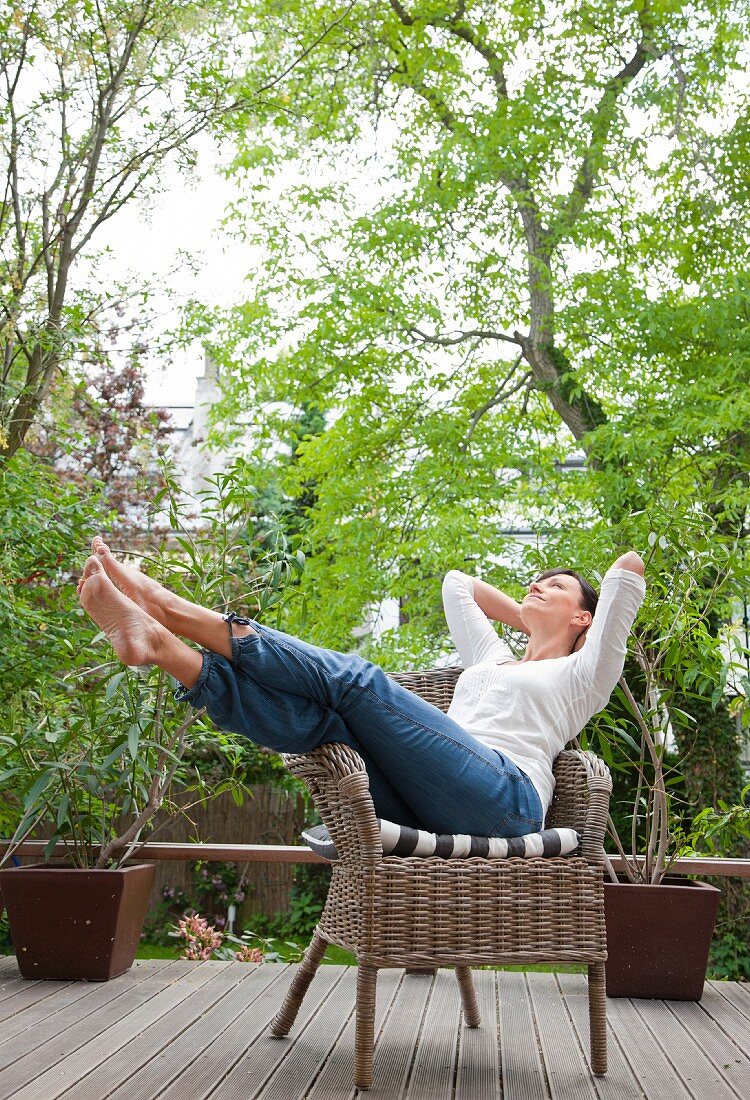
(69, 923)
(658, 938)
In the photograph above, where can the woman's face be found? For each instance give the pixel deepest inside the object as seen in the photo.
(555, 603)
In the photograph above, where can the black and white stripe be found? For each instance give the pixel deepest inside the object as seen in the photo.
(401, 840)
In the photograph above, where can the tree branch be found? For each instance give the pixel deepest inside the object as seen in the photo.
(471, 334)
(601, 123)
(461, 29)
(502, 393)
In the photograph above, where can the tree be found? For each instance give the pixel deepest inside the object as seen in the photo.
(97, 98)
(555, 262)
(98, 427)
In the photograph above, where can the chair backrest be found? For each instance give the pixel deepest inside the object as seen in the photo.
(436, 685)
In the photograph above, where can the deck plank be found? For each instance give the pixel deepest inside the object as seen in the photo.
(657, 1071)
(702, 1077)
(15, 995)
(337, 1075)
(568, 1073)
(38, 1001)
(158, 1050)
(435, 1058)
(520, 1058)
(259, 1060)
(726, 1055)
(89, 1039)
(394, 1046)
(729, 1018)
(194, 1031)
(105, 1003)
(478, 1074)
(737, 994)
(8, 966)
(201, 1074)
(311, 1047)
(619, 1083)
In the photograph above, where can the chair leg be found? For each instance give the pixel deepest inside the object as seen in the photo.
(287, 1014)
(468, 996)
(364, 1040)
(598, 1019)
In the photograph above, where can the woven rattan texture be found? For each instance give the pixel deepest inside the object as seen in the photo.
(457, 912)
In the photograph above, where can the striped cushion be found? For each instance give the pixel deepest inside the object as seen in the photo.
(401, 840)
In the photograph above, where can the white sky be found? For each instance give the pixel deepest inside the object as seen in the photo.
(146, 243)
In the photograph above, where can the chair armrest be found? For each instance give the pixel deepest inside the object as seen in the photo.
(583, 785)
(599, 783)
(336, 778)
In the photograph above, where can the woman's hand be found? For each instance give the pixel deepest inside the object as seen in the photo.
(631, 561)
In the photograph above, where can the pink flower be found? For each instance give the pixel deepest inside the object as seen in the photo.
(201, 938)
(249, 955)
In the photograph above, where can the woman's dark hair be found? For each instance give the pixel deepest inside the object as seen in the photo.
(589, 595)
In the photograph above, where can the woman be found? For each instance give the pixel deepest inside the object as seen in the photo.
(485, 768)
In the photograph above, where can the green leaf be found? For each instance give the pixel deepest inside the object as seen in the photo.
(134, 736)
(50, 846)
(113, 683)
(62, 811)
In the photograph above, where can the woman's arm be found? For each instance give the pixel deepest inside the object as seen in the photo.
(473, 635)
(497, 606)
(601, 659)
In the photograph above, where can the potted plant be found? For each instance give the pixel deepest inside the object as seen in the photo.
(659, 926)
(93, 756)
(92, 771)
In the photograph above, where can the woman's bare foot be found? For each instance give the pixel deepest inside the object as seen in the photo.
(152, 597)
(135, 637)
(179, 616)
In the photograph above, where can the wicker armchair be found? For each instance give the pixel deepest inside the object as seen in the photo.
(430, 912)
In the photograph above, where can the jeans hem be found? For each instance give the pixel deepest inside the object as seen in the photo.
(189, 695)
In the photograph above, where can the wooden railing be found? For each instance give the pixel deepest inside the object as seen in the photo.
(297, 853)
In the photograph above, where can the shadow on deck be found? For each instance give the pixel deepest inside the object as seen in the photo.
(197, 1030)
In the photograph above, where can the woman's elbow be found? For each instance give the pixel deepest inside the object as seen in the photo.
(631, 561)
(454, 578)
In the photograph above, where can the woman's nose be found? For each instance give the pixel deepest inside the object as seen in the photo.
(534, 587)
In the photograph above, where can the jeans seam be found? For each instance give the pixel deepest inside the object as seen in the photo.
(240, 644)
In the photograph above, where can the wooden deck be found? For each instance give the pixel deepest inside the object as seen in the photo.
(185, 1031)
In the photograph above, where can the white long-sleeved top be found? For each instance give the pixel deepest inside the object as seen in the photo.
(529, 710)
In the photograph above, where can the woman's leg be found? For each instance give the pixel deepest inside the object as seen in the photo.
(179, 616)
(136, 638)
(139, 639)
(292, 696)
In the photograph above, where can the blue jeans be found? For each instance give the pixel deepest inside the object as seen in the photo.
(424, 769)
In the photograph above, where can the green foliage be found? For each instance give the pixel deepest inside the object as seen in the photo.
(721, 830)
(44, 522)
(552, 262)
(730, 955)
(306, 901)
(91, 753)
(95, 761)
(97, 101)
(513, 150)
